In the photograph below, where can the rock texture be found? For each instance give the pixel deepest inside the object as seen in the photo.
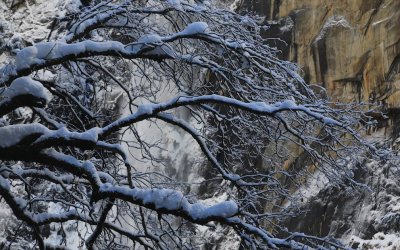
(361, 218)
(352, 49)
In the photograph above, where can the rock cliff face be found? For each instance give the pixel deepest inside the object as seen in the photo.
(352, 49)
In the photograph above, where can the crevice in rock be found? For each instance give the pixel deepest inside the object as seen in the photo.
(374, 12)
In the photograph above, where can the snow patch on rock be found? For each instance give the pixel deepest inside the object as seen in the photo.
(333, 22)
(380, 241)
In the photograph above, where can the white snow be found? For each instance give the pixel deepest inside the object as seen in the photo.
(72, 236)
(13, 134)
(69, 6)
(26, 57)
(311, 187)
(235, 5)
(380, 241)
(175, 3)
(86, 166)
(173, 200)
(150, 38)
(4, 184)
(24, 86)
(194, 28)
(334, 21)
(288, 26)
(89, 135)
(40, 52)
(31, 20)
(80, 27)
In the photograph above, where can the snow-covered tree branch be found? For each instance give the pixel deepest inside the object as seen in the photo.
(121, 64)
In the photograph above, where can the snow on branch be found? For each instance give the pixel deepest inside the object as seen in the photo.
(92, 21)
(45, 54)
(146, 111)
(23, 91)
(101, 15)
(194, 29)
(12, 135)
(26, 86)
(173, 202)
(40, 136)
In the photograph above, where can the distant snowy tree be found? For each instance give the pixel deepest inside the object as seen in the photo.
(67, 161)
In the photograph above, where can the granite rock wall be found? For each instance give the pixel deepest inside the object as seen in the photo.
(351, 47)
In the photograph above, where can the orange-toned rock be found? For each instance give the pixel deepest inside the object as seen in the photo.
(351, 47)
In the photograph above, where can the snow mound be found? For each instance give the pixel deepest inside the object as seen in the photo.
(175, 3)
(195, 28)
(26, 86)
(43, 51)
(150, 38)
(173, 200)
(12, 134)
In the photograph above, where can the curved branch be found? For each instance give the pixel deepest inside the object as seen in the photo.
(149, 110)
